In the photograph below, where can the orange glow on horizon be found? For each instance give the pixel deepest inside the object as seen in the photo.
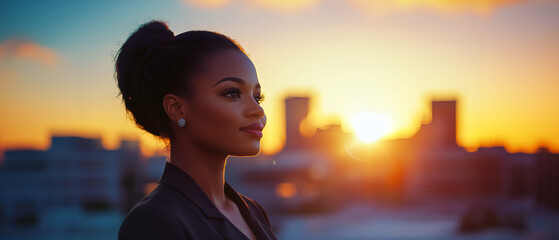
(515, 138)
(478, 132)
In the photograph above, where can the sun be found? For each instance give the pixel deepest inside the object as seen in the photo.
(370, 127)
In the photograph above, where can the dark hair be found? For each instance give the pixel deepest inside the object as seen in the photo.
(153, 63)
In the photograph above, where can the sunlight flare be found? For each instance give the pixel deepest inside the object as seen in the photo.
(370, 127)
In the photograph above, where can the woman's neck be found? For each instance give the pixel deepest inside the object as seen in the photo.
(206, 168)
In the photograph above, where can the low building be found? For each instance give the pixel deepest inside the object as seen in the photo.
(74, 173)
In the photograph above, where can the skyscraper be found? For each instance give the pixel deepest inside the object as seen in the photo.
(296, 110)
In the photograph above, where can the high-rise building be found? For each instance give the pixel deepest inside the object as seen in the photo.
(444, 120)
(440, 133)
(296, 111)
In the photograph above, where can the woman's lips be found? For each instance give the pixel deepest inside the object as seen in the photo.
(254, 130)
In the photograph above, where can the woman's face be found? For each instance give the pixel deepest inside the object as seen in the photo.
(224, 112)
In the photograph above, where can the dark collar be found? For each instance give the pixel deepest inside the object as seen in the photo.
(182, 182)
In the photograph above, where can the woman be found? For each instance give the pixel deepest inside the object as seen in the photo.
(199, 92)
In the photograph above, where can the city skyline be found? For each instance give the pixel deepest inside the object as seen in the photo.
(497, 58)
(296, 119)
(152, 146)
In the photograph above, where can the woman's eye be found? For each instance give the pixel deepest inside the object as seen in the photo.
(259, 99)
(232, 93)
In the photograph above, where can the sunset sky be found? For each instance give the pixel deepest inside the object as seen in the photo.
(499, 59)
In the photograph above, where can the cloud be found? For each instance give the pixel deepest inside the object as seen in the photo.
(23, 49)
(481, 7)
(207, 4)
(285, 5)
(377, 7)
(273, 5)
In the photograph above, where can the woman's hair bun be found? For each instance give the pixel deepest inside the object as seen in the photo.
(154, 62)
(130, 58)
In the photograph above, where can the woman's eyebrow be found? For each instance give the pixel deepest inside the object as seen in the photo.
(234, 79)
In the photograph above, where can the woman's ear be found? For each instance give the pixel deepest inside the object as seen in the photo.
(175, 107)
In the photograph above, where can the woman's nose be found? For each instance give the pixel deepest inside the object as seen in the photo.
(255, 110)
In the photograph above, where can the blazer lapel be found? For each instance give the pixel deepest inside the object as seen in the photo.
(260, 229)
(181, 181)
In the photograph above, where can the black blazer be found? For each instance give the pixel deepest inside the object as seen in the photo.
(179, 209)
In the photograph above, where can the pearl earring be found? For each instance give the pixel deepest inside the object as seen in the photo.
(181, 122)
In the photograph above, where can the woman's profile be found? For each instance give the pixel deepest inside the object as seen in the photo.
(200, 92)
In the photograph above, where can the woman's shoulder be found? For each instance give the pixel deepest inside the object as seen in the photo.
(156, 216)
(167, 200)
(149, 221)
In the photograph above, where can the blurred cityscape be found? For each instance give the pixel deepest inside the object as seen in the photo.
(319, 187)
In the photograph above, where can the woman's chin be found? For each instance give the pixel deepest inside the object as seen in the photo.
(248, 152)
